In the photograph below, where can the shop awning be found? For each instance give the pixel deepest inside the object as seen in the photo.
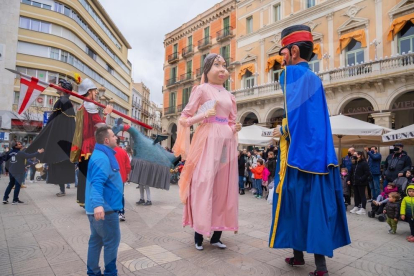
(248, 67)
(317, 50)
(398, 24)
(345, 39)
(399, 134)
(272, 60)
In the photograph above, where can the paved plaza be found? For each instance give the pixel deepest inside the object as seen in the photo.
(48, 235)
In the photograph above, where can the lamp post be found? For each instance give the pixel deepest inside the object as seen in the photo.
(326, 57)
(375, 43)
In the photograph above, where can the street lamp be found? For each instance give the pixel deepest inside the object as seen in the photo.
(375, 43)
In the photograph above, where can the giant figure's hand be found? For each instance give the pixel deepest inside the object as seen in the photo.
(276, 131)
(238, 127)
(108, 109)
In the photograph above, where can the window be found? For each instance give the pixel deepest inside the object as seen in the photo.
(189, 67)
(90, 53)
(45, 27)
(226, 26)
(34, 25)
(207, 32)
(16, 97)
(58, 7)
(249, 24)
(310, 3)
(175, 50)
(186, 96)
(37, 4)
(190, 43)
(276, 13)
(276, 74)
(248, 80)
(54, 53)
(173, 99)
(406, 39)
(354, 53)
(173, 74)
(64, 56)
(67, 11)
(52, 77)
(314, 64)
(24, 23)
(41, 75)
(225, 52)
(227, 84)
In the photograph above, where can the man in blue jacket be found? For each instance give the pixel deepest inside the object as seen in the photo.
(104, 189)
(374, 162)
(16, 166)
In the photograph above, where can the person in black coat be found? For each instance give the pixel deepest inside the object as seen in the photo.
(242, 169)
(56, 138)
(359, 178)
(271, 165)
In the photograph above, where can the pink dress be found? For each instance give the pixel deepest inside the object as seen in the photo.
(209, 180)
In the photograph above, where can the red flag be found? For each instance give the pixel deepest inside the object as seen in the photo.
(30, 89)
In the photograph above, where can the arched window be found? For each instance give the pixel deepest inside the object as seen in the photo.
(314, 64)
(248, 79)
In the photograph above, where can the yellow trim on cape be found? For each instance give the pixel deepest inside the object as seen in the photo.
(60, 109)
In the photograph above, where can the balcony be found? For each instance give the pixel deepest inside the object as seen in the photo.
(199, 72)
(169, 110)
(225, 34)
(205, 43)
(371, 74)
(188, 51)
(171, 82)
(185, 78)
(230, 63)
(173, 58)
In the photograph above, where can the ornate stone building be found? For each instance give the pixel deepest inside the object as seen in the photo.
(364, 56)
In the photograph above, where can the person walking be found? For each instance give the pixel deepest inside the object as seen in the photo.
(124, 168)
(16, 167)
(103, 194)
(359, 179)
(374, 162)
(396, 164)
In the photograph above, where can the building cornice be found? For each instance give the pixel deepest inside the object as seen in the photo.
(301, 17)
(219, 10)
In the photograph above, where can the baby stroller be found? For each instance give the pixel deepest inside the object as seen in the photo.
(176, 172)
(42, 168)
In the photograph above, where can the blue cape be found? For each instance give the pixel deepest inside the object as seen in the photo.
(308, 121)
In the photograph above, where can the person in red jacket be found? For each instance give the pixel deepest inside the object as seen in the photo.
(258, 176)
(124, 169)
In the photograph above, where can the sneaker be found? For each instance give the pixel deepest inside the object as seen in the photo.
(16, 202)
(148, 203)
(361, 211)
(293, 262)
(141, 201)
(60, 194)
(5, 201)
(121, 217)
(199, 247)
(23, 186)
(219, 244)
(354, 210)
(319, 273)
(407, 238)
(31, 181)
(389, 231)
(68, 187)
(411, 240)
(259, 197)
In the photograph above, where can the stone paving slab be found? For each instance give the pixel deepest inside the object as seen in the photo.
(48, 235)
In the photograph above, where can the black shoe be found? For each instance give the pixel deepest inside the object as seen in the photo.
(5, 201)
(140, 202)
(148, 203)
(242, 192)
(16, 202)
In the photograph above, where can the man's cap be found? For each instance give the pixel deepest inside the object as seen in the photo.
(398, 145)
(294, 34)
(85, 86)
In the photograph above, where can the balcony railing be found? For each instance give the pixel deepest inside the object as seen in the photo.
(173, 57)
(179, 108)
(199, 72)
(356, 75)
(186, 77)
(224, 34)
(204, 43)
(188, 51)
(172, 81)
(169, 110)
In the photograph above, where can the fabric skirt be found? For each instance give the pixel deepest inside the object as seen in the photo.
(150, 174)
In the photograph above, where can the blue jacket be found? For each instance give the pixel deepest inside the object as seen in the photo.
(374, 162)
(16, 162)
(347, 163)
(104, 185)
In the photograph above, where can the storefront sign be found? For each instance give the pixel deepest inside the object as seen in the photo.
(395, 106)
(267, 133)
(398, 136)
(46, 116)
(39, 100)
(4, 136)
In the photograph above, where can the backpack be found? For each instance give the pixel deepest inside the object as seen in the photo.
(401, 183)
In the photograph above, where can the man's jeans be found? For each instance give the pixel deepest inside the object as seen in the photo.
(374, 185)
(258, 183)
(13, 182)
(241, 182)
(104, 233)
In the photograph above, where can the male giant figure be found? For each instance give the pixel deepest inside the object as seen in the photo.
(308, 208)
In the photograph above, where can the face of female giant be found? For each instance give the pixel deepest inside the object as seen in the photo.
(218, 73)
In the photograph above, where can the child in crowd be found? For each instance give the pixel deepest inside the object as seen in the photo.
(379, 204)
(407, 210)
(345, 187)
(392, 209)
(258, 176)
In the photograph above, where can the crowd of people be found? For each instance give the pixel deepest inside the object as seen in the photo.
(362, 173)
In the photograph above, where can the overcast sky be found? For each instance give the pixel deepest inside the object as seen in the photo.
(144, 24)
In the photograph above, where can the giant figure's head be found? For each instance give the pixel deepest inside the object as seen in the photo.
(215, 69)
(297, 45)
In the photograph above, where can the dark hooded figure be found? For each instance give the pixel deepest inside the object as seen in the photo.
(56, 138)
(308, 208)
